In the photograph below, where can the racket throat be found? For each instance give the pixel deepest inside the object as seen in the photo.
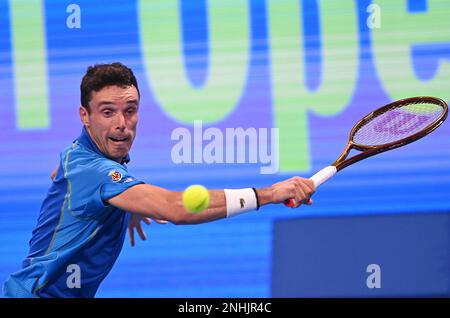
(342, 157)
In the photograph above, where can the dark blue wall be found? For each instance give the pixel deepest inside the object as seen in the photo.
(328, 257)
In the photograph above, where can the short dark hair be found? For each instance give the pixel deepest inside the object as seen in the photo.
(102, 75)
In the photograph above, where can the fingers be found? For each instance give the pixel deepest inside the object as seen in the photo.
(141, 232)
(131, 234)
(146, 221)
(306, 184)
(299, 195)
(304, 189)
(135, 224)
(295, 194)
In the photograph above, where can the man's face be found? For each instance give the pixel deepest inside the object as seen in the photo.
(112, 120)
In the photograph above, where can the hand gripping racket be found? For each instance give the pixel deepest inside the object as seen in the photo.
(391, 126)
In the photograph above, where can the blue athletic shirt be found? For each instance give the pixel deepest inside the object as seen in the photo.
(75, 226)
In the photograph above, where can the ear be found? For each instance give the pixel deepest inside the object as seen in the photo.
(84, 116)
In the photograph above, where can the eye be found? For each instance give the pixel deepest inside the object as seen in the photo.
(131, 111)
(107, 113)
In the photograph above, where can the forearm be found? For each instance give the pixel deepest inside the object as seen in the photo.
(159, 203)
(180, 215)
(217, 208)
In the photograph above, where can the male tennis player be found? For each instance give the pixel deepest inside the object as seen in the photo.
(83, 220)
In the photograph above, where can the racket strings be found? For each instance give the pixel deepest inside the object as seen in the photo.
(395, 124)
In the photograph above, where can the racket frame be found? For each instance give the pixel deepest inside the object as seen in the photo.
(368, 151)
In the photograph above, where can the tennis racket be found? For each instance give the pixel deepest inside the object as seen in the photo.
(391, 126)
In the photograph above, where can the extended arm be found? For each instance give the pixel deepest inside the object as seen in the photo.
(158, 203)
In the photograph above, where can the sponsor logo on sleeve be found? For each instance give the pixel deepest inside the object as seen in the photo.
(129, 179)
(116, 176)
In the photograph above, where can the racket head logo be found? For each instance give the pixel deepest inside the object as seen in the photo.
(399, 123)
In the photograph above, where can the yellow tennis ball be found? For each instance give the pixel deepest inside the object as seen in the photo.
(196, 198)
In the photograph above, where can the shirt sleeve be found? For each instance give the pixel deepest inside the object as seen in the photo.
(92, 184)
(119, 180)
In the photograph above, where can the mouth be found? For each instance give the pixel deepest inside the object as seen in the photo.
(119, 139)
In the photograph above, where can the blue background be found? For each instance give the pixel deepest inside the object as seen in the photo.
(227, 258)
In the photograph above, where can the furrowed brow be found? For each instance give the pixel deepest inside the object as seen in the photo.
(133, 102)
(105, 104)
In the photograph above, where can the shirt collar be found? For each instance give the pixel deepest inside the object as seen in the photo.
(86, 140)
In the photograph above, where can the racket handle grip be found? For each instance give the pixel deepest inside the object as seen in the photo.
(319, 178)
(323, 175)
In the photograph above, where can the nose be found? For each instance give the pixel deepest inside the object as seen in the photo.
(121, 122)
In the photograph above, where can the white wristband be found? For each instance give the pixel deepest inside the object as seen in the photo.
(240, 201)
